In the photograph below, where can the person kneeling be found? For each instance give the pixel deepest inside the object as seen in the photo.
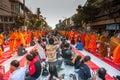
(67, 54)
(21, 50)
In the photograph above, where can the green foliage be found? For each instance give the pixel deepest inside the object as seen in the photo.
(19, 21)
(26, 23)
(32, 20)
(86, 13)
(77, 19)
(89, 12)
(38, 23)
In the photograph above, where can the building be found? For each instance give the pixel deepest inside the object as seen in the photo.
(6, 18)
(10, 11)
(107, 21)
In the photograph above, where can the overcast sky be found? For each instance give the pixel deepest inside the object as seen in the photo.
(54, 10)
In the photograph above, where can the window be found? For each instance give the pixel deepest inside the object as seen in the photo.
(5, 19)
(10, 19)
(16, 8)
(2, 19)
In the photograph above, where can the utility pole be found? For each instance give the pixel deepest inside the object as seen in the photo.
(23, 13)
(24, 8)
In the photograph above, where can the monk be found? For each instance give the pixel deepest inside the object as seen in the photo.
(87, 40)
(29, 37)
(92, 44)
(75, 37)
(2, 40)
(116, 55)
(16, 38)
(0, 48)
(103, 45)
(22, 39)
(83, 38)
(114, 41)
(12, 42)
(71, 35)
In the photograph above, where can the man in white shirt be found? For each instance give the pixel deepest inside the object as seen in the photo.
(16, 72)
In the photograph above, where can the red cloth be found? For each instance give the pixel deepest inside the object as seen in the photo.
(83, 39)
(32, 68)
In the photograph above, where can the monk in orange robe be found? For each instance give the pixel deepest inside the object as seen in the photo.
(116, 55)
(114, 41)
(76, 37)
(93, 44)
(103, 45)
(2, 40)
(29, 34)
(83, 38)
(1, 47)
(12, 42)
(71, 35)
(87, 40)
(16, 39)
(22, 39)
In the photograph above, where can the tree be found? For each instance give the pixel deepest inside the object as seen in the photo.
(19, 21)
(89, 12)
(38, 23)
(86, 13)
(77, 19)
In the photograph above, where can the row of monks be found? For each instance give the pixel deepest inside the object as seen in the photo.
(94, 42)
(18, 37)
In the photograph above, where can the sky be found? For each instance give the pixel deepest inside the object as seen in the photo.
(54, 10)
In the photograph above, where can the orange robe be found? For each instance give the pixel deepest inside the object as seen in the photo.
(103, 46)
(87, 41)
(2, 38)
(71, 35)
(28, 37)
(83, 39)
(93, 45)
(75, 38)
(16, 39)
(114, 42)
(0, 47)
(2, 41)
(116, 55)
(12, 41)
(22, 39)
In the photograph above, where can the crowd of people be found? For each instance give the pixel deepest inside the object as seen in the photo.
(50, 47)
(93, 42)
